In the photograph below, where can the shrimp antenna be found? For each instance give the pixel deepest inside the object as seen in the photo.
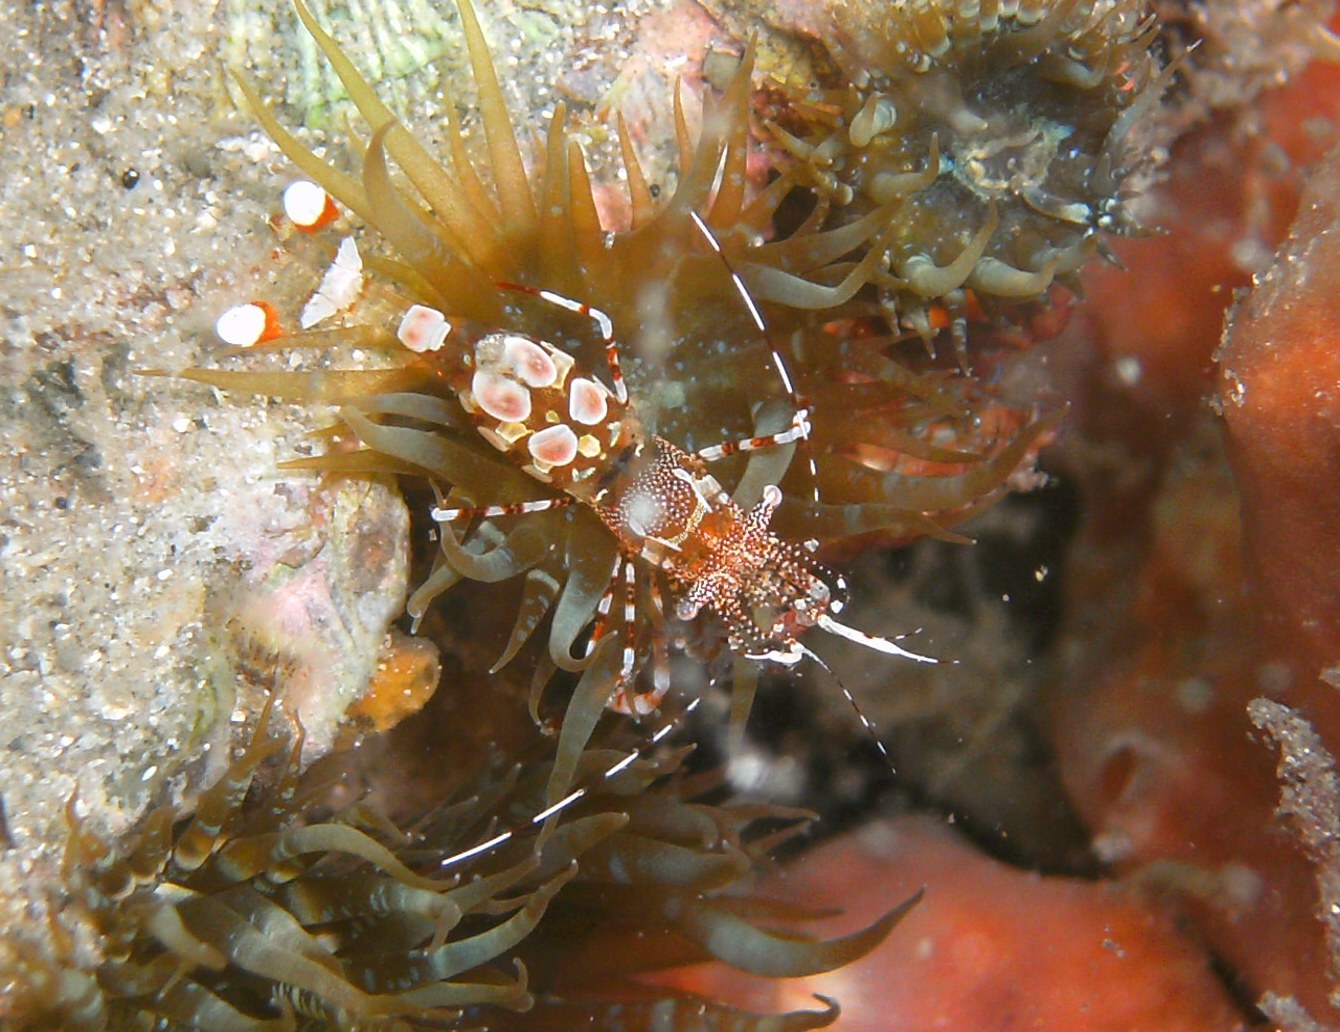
(866, 722)
(870, 641)
(801, 420)
(576, 795)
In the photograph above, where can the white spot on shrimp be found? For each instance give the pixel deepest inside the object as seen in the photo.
(643, 513)
(587, 402)
(529, 362)
(554, 445)
(503, 399)
(423, 329)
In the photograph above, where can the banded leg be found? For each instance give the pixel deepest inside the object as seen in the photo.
(800, 423)
(660, 653)
(799, 431)
(451, 515)
(602, 613)
(624, 699)
(598, 317)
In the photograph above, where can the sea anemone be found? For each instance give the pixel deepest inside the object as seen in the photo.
(901, 447)
(1003, 136)
(268, 907)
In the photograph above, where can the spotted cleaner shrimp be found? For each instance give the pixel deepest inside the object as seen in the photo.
(565, 427)
(660, 502)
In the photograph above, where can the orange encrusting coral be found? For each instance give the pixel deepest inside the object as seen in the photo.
(406, 677)
(990, 948)
(1279, 391)
(1226, 200)
(1181, 610)
(1149, 721)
